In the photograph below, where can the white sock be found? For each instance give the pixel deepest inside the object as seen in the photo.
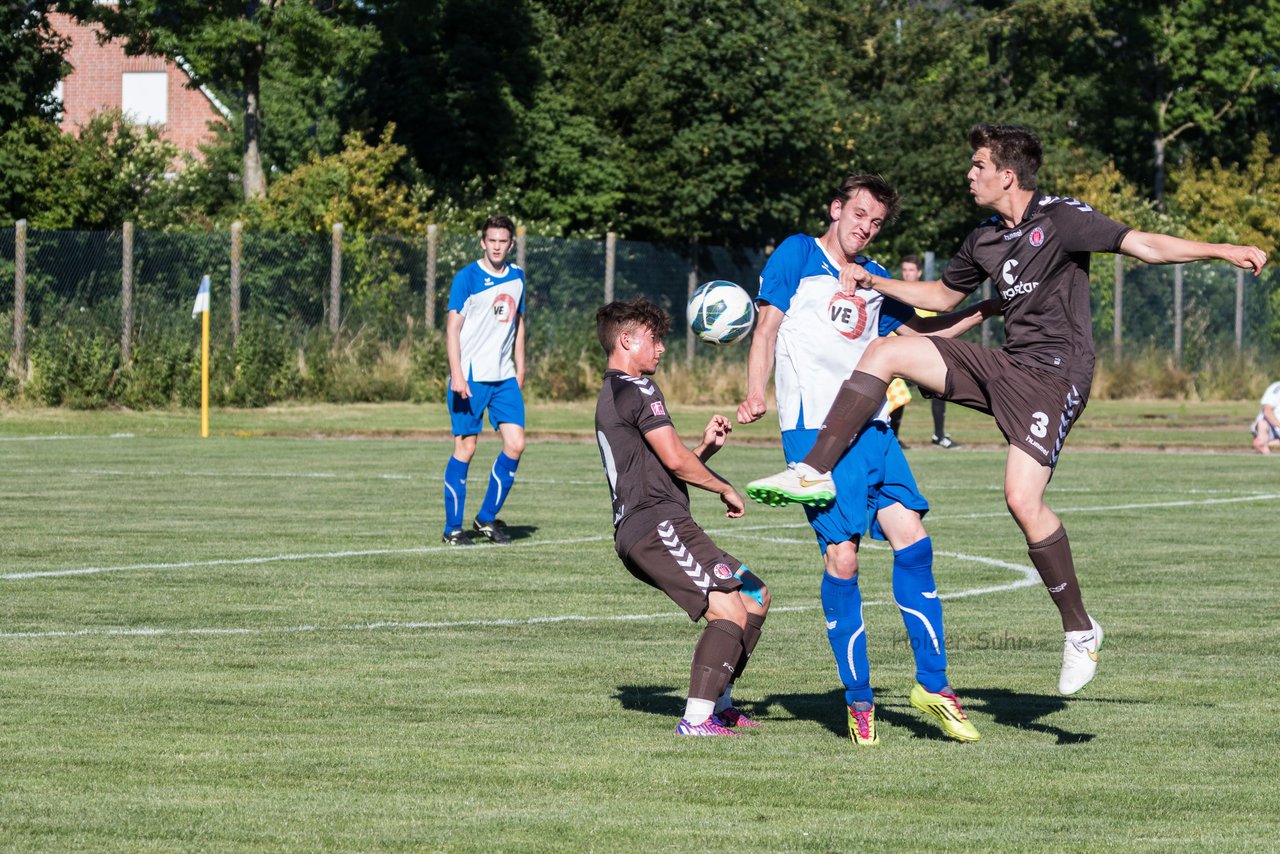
(726, 699)
(697, 711)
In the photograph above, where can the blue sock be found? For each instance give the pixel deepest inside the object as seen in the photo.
(501, 476)
(455, 493)
(842, 606)
(917, 596)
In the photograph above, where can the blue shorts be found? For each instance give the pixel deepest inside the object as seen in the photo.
(872, 475)
(503, 399)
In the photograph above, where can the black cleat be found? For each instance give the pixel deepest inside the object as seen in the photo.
(945, 441)
(457, 537)
(493, 531)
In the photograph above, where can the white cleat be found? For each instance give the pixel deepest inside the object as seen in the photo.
(799, 484)
(1080, 658)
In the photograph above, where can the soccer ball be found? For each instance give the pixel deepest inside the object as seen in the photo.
(720, 312)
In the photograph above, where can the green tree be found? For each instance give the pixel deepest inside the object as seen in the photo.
(229, 45)
(30, 62)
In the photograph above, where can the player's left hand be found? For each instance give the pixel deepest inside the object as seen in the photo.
(733, 500)
(716, 432)
(854, 276)
(1248, 257)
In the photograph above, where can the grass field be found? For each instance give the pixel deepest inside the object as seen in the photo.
(255, 642)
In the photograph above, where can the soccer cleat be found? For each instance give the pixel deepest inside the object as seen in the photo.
(862, 726)
(733, 717)
(799, 484)
(708, 727)
(456, 537)
(945, 441)
(493, 531)
(1079, 658)
(946, 708)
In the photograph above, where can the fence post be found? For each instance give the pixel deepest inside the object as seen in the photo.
(1117, 340)
(1177, 315)
(930, 264)
(335, 280)
(610, 264)
(522, 249)
(126, 293)
(20, 299)
(1239, 309)
(689, 338)
(430, 315)
(236, 253)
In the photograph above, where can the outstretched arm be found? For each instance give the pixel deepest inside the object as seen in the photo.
(685, 464)
(764, 341)
(951, 325)
(931, 296)
(1167, 249)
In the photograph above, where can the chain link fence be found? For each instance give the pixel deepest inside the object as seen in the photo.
(114, 300)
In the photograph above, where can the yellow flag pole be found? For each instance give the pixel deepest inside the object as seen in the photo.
(204, 374)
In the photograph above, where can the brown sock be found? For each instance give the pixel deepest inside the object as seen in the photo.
(1052, 556)
(750, 637)
(856, 402)
(714, 657)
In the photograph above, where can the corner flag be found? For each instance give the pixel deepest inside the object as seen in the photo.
(201, 310)
(202, 298)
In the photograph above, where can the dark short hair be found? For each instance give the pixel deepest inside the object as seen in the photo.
(628, 315)
(912, 259)
(1012, 147)
(498, 222)
(880, 189)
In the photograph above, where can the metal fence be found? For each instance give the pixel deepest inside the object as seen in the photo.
(138, 283)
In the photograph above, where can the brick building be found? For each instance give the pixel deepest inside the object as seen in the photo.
(151, 90)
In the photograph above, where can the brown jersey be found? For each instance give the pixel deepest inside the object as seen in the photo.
(1041, 269)
(644, 491)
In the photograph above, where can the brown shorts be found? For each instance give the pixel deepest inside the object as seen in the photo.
(678, 558)
(1033, 408)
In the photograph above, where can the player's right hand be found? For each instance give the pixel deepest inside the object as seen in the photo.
(751, 409)
(734, 502)
(459, 387)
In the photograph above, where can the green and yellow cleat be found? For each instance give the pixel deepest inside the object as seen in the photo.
(946, 708)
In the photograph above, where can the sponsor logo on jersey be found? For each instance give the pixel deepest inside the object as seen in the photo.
(848, 313)
(657, 408)
(1036, 237)
(1017, 285)
(721, 571)
(1013, 235)
(504, 308)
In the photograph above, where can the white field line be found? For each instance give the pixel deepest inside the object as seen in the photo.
(1029, 577)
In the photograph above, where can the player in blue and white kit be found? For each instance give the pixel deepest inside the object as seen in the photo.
(484, 337)
(808, 333)
(1266, 427)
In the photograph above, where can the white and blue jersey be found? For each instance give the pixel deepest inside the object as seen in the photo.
(489, 305)
(823, 334)
(824, 331)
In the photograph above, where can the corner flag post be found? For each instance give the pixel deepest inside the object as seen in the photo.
(202, 308)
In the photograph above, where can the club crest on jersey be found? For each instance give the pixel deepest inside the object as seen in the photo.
(504, 308)
(657, 408)
(721, 571)
(848, 313)
(1036, 237)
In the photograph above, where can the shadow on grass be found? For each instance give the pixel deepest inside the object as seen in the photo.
(1004, 707)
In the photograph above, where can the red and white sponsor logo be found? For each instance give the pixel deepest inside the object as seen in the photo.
(657, 408)
(504, 308)
(848, 313)
(721, 571)
(1036, 237)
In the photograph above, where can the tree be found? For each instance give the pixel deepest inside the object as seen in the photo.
(30, 63)
(228, 44)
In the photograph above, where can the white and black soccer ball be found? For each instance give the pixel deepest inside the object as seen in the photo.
(720, 312)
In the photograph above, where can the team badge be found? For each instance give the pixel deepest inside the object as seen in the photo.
(722, 572)
(848, 313)
(504, 308)
(657, 408)
(1036, 237)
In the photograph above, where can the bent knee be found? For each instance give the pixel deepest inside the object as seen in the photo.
(841, 560)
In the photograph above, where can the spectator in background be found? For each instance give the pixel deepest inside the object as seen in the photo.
(1266, 427)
